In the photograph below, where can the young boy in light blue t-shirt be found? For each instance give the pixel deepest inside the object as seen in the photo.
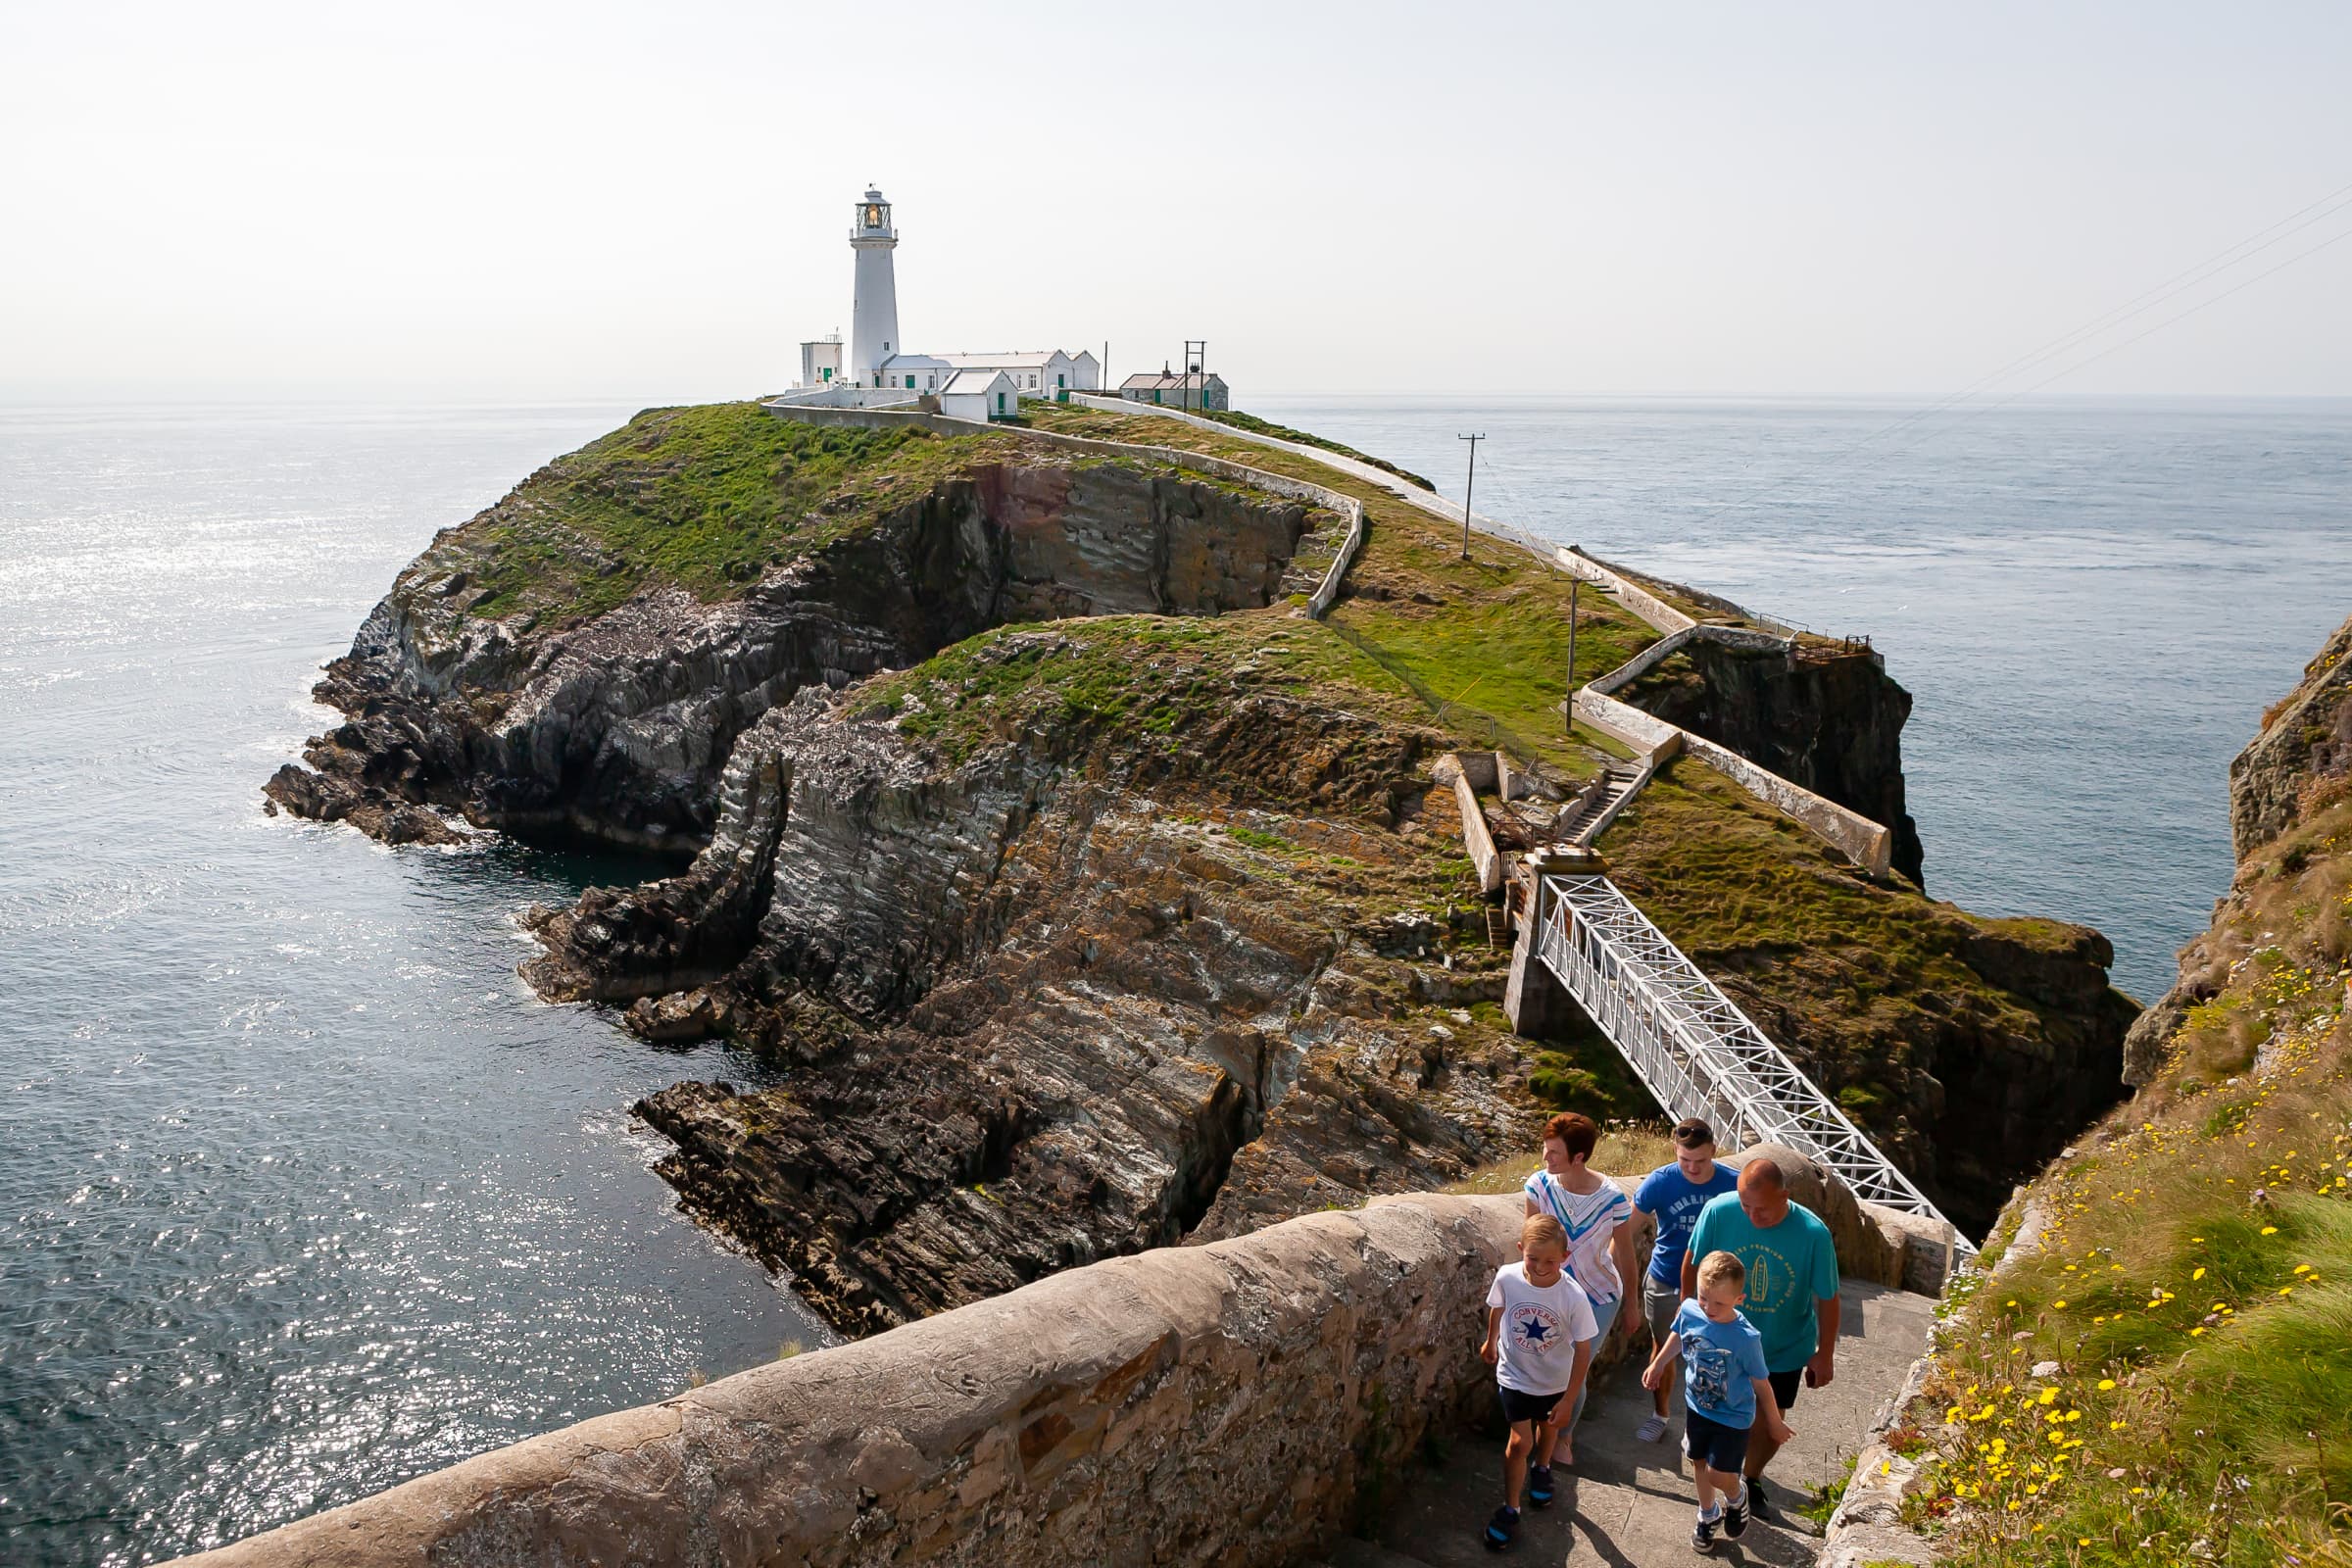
(1725, 1386)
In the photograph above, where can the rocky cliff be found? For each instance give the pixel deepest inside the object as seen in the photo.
(1055, 983)
(2170, 1287)
(1086, 898)
(580, 658)
(2291, 774)
(1822, 715)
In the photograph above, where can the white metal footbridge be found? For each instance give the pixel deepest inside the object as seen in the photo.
(1695, 1052)
(1691, 1046)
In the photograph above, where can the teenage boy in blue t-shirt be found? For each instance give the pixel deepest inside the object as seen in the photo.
(1726, 1388)
(1673, 1195)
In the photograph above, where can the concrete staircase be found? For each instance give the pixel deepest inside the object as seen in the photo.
(1592, 809)
(1628, 1504)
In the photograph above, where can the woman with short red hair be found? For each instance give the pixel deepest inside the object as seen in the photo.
(1599, 1220)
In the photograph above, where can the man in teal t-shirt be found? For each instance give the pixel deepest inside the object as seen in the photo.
(1792, 1285)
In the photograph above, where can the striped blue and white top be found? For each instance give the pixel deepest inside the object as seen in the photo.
(1591, 1219)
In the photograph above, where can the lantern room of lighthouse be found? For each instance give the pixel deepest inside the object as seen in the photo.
(874, 314)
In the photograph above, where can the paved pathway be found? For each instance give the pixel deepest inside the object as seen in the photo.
(1630, 1504)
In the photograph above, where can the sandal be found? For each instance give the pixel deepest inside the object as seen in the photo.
(1538, 1485)
(1501, 1528)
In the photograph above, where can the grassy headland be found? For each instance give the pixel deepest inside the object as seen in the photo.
(1875, 986)
(706, 498)
(2160, 1368)
(1483, 642)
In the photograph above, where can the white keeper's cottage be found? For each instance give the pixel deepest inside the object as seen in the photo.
(980, 395)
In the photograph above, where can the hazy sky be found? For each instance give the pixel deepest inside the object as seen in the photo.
(654, 201)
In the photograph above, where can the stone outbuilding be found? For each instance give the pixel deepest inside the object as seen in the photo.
(1178, 390)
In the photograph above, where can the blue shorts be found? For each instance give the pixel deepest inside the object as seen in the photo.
(1712, 1444)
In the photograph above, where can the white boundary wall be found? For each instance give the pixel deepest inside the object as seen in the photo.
(1868, 844)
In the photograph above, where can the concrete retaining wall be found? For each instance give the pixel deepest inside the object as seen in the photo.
(844, 397)
(1327, 594)
(1860, 840)
(1658, 653)
(1646, 733)
(1477, 841)
(859, 419)
(1855, 836)
(1226, 1405)
(1640, 601)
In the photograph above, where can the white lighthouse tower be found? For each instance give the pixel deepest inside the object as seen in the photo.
(874, 318)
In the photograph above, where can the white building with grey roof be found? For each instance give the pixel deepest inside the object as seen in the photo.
(879, 363)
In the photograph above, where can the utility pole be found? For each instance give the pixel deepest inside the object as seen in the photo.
(1568, 708)
(1469, 485)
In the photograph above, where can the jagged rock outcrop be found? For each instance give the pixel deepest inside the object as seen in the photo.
(615, 724)
(1033, 1012)
(1073, 941)
(2303, 753)
(2298, 765)
(1823, 716)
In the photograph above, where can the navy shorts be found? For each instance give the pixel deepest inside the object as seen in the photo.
(1518, 1406)
(1712, 1444)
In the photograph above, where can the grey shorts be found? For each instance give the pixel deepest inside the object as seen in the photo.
(1659, 1303)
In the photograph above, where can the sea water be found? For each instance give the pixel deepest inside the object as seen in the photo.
(2090, 603)
(302, 1193)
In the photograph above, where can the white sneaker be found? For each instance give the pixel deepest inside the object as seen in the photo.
(1652, 1429)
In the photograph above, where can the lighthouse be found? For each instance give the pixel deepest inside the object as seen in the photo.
(874, 316)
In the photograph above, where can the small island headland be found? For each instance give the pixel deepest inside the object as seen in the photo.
(1095, 897)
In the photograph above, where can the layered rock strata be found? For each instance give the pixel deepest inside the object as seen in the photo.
(1039, 1007)
(613, 726)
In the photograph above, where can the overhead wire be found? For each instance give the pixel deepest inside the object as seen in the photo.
(2332, 204)
(1966, 415)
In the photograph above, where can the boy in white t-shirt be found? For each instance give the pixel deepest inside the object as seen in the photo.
(1538, 1334)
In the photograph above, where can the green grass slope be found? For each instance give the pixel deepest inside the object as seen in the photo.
(2190, 1297)
(707, 498)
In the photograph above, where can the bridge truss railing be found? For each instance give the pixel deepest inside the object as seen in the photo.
(1692, 1048)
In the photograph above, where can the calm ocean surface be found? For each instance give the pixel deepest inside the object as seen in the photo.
(301, 1194)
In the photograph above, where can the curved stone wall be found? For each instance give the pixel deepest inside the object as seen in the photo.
(1241, 1403)
(1233, 1403)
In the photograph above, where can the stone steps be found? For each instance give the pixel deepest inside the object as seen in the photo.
(1619, 783)
(1628, 1504)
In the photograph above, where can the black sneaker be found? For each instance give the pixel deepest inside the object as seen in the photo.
(1702, 1535)
(1501, 1528)
(1539, 1485)
(1735, 1516)
(1757, 1499)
